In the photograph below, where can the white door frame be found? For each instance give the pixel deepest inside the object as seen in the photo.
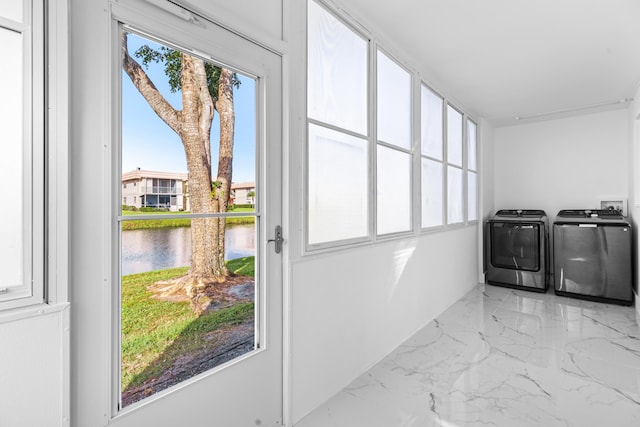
(96, 248)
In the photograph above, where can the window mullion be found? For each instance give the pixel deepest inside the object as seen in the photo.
(373, 139)
(445, 162)
(395, 147)
(465, 194)
(416, 158)
(336, 128)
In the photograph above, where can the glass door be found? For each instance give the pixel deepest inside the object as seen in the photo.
(198, 324)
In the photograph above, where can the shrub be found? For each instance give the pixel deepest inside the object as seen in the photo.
(150, 209)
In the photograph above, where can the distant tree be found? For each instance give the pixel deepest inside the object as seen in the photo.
(205, 89)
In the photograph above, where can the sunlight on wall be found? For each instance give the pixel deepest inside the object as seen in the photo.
(401, 258)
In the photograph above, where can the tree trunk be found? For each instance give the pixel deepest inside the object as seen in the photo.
(207, 251)
(225, 108)
(193, 125)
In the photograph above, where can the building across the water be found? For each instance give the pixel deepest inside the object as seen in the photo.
(166, 190)
(243, 193)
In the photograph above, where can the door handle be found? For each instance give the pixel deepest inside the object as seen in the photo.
(278, 239)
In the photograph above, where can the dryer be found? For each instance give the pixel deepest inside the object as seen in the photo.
(592, 255)
(517, 249)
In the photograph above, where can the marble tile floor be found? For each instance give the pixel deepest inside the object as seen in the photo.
(507, 358)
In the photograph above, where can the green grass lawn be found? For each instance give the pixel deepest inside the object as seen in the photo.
(177, 222)
(156, 333)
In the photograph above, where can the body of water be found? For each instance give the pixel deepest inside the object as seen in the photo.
(162, 248)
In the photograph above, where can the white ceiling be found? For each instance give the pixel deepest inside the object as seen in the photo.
(506, 58)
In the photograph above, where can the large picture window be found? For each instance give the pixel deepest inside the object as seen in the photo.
(365, 142)
(22, 162)
(338, 149)
(455, 189)
(431, 125)
(393, 178)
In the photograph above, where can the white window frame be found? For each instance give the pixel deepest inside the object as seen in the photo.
(469, 169)
(377, 49)
(441, 160)
(349, 241)
(415, 152)
(32, 289)
(448, 164)
(323, 246)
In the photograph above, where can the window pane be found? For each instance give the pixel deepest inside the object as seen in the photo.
(431, 124)
(163, 339)
(12, 9)
(454, 136)
(394, 103)
(11, 161)
(454, 195)
(177, 321)
(472, 155)
(338, 186)
(337, 72)
(394, 190)
(472, 192)
(431, 193)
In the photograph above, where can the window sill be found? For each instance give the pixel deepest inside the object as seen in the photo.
(22, 313)
(328, 248)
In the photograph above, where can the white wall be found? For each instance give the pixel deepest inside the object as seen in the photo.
(487, 155)
(562, 164)
(487, 205)
(351, 308)
(634, 185)
(261, 20)
(33, 355)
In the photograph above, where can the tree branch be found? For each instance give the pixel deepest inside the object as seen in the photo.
(148, 90)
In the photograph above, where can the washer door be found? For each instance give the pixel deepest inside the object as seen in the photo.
(515, 246)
